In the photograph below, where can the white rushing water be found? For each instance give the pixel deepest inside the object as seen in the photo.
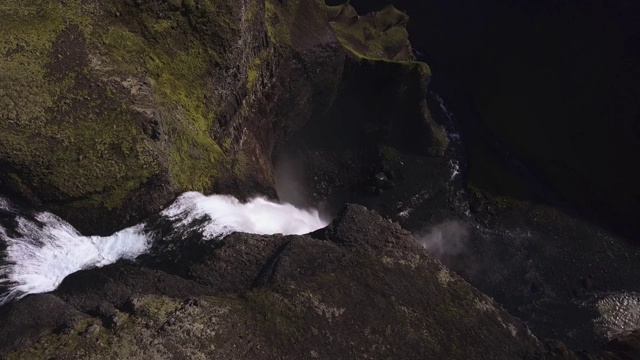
(49, 249)
(42, 250)
(227, 214)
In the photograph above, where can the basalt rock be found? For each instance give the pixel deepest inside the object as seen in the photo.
(110, 109)
(362, 287)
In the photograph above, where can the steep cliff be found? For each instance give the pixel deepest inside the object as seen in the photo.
(112, 108)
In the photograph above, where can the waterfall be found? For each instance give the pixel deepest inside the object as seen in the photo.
(41, 249)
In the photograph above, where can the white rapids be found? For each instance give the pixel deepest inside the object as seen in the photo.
(44, 249)
(227, 214)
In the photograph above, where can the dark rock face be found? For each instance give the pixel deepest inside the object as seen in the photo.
(123, 105)
(547, 266)
(544, 263)
(362, 287)
(549, 269)
(555, 85)
(37, 316)
(626, 347)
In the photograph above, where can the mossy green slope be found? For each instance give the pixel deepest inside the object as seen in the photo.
(380, 35)
(64, 134)
(110, 109)
(379, 43)
(177, 60)
(99, 99)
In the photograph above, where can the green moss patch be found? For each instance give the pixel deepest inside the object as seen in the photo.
(178, 74)
(375, 36)
(72, 131)
(156, 307)
(278, 28)
(68, 135)
(275, 316)
(74, 341)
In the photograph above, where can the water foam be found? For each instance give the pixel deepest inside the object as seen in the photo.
(227, 214)
(42, 250)
(48, 249)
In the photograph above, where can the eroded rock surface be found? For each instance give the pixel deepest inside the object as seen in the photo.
(362, 287)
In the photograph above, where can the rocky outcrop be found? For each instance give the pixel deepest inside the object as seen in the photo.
(362, 287)
(109, 109)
